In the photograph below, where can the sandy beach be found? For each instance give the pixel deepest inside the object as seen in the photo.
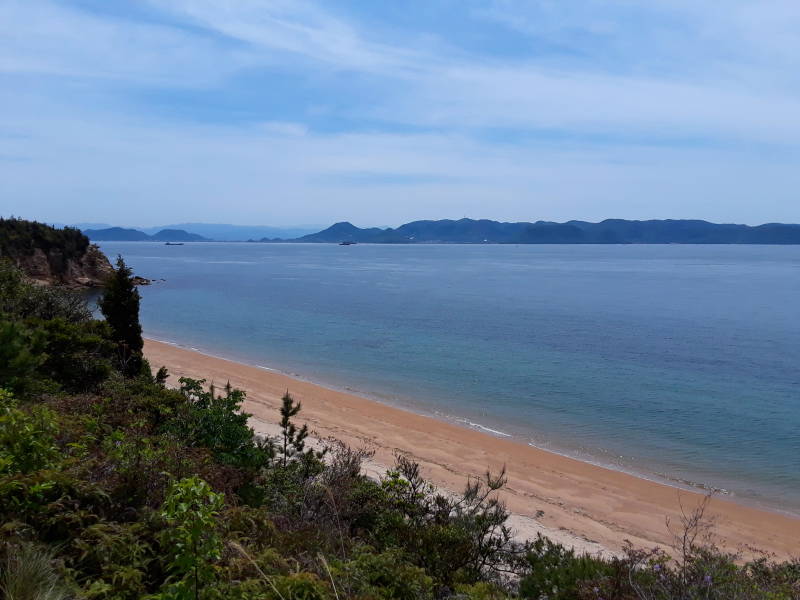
(589, 507)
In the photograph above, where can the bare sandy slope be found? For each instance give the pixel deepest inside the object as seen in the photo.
(584, 505)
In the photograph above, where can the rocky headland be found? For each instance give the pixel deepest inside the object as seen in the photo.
(52, 256)
(52, 268)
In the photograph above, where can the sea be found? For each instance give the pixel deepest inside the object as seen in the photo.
(679, 363)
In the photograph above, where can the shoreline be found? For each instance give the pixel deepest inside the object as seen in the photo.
(548, 445)
(592, 507)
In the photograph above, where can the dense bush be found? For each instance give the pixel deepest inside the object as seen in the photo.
(383, 575)
(20, 357)
(216, 422)
(23, 300)
(48, 339)
(556, 572)
(27, 438)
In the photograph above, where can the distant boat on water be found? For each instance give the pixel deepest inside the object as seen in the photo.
(174, 244)
(347, 243)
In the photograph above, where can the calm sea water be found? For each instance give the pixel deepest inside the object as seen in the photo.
(681, 362)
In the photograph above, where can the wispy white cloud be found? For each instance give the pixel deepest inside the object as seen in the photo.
(284, 128)
(657, 109)
(459, 92)
(584, 102)
(45, 38)
(296, 27)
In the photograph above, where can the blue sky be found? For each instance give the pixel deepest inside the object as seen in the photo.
(293, 111)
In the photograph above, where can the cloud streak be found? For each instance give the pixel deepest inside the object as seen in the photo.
(516, 110)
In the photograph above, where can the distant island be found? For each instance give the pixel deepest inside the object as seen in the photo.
(610, 231)
(221, 232)
(484, 231)
(238, 233)
(120, 234)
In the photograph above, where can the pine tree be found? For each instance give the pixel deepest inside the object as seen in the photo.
(293, 438)
(162, 376)
(120, 306)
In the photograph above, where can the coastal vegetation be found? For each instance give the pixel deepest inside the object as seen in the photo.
(114, 485)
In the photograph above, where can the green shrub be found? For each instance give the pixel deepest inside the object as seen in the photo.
(383, 576)
(699, 571)
(139, 400)
(21, 355)
(20, 299)
(255, 566)
(249, 526)
(216, 422)
(190, 539)
(143, 465)
(298, 586)
(78, 355)
(114, 560)
(481, 591)
(783, 579)
(295, 586)
(554, 571)
(456, 539)
(48, 339)
(40, 355)
(54, 504)
(27, 438)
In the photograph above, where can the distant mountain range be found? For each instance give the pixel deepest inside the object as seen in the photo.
(483, 231)
(610, 231)
(209, 231)
(120, 234)
(237, 233)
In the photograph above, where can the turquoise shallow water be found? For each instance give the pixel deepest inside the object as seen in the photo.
(678, 362)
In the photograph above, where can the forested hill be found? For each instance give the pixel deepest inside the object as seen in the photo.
(610, 231)
(52, 256)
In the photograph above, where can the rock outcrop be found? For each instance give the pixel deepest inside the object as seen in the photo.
(88, 270)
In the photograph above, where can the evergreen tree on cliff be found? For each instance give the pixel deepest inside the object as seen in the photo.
(120, 306)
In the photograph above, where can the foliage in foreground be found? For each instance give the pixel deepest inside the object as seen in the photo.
(114, 486)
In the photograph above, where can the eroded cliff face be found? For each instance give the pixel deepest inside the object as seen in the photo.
(90, 270)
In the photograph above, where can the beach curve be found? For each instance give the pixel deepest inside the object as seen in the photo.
(590, 507)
